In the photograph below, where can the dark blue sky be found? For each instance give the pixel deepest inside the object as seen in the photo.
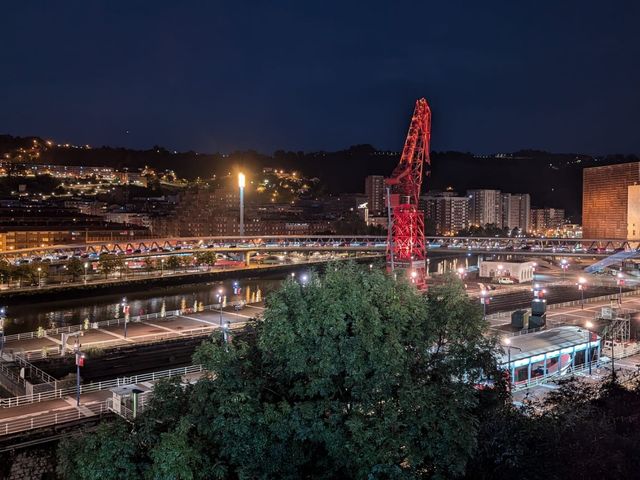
(218, 76)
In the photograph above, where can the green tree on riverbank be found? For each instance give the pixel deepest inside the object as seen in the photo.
(351, 375)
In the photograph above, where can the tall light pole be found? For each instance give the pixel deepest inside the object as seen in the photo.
(588, 325)
(125, 311)
(484, 300)
(39, 273)
(564, 264)
(582, 285)
(3, 312)
(86, 265)
(620, 284)
(241, 184)
(220, 292)
(79, 363)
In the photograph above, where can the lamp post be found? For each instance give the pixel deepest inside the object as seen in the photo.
(620, 284)
(162, 267)
(39, 274)
(125, 311)
(220, 292)
(582, 284)
(86, 266)
(484, 300)
(564, 264)
(414, 275)
(507, 343)
(241, 184)
(500, 267)
(79, 363)
(3, 312)
(588, 325)
(225, 334)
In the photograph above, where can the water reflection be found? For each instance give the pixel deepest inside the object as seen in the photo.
(25, 318)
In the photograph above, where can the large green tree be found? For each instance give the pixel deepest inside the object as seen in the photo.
(351, 375)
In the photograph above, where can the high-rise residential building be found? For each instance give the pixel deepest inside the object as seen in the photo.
(448, 211)
(611, 201)
(516, 211)
(374, 190)
(485, 207)
(545, 219)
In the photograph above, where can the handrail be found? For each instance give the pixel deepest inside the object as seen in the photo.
(103, 323)
(48, 419)
(95, 387)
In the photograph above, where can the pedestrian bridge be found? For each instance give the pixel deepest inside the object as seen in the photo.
(140, 248)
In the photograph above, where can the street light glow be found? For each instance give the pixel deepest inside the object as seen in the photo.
(507, 341)
(241, 180)
(588, 324)
(582, 280)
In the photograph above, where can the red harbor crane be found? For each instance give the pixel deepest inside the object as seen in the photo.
(406, 248)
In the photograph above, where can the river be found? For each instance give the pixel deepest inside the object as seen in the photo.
(25, 317)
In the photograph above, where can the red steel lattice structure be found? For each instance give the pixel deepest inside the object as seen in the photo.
(406, 249)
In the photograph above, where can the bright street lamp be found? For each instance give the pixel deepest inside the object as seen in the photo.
(484, 299)
(125, 311)
(39, 272)
(564, 264)
(220, 292)
(620, 284)
(582, 286)
(86, 265)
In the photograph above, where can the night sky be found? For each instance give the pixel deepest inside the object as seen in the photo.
(311, 75)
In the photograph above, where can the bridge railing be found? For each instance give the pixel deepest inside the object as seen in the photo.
(96, 387)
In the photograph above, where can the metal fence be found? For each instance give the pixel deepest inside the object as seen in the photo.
(96, 387)
(17, 425)
(106, 323)
(573, 303)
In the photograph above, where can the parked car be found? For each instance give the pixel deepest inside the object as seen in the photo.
(505, 281)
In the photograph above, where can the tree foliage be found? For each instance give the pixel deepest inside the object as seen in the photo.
(110, 263)
(351, 375)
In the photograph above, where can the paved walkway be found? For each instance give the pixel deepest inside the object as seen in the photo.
(63, 410)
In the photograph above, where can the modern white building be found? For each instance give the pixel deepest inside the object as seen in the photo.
(519, 272)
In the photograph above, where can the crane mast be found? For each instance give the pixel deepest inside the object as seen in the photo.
(406, 248)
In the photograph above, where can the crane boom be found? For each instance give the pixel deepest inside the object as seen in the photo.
(406, 248)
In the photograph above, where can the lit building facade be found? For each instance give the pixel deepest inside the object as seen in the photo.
(516, 211)
(611, 201)
(485, 207)
(448, 211)
(374, 190)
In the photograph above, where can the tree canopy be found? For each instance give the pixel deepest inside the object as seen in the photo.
(351, 375)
